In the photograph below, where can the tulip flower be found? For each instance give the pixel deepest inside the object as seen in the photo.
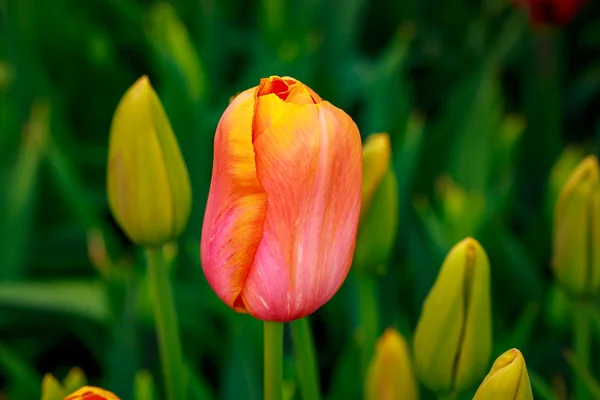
(508, 379)
(282, 213)
(379, 208)
(147, 181)
(91, 393)
(390, 375)
(576, 259)
(453, 338)
(551, 12)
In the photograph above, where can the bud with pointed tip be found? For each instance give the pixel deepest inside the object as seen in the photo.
(453, 338)
(508, 379)
(52, 389)
(390, 375)
(148, 185)
(576, 258)
(379, 207)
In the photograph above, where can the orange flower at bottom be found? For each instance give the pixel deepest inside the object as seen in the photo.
(91, 393)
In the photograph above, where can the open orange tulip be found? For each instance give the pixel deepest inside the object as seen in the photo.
(91, 393)
(281, 219)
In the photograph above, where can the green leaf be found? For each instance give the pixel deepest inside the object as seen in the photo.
(144, 387)
(20, 203)
(84, 299)
(22, 376)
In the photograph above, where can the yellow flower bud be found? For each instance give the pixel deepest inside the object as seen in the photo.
(453, 338)
(379, 208)
(52, 388)
(376, 161)
(508, 379)
(390, 375)
(576, 259)
(148, 185)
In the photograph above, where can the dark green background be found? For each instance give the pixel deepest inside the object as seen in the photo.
(479, 105)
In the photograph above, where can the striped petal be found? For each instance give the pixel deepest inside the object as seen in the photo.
(308, 160)
(236, 205)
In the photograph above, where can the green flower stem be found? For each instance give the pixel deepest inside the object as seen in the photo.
(306, 360)
(448, 396)
(369, 318)
(582, 345)
(166, 325)
(273, 360)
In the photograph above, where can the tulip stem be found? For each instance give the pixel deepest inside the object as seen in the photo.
(273, 360)
(306, 360)
(448, 396)
(369, 318)
(166, 325)
(582, 345)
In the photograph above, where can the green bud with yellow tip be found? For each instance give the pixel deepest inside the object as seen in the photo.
(379, 207)
(52, 389)
(390, 375)
(453, 338)
(508, 379)
(148, 185)
(576, 256)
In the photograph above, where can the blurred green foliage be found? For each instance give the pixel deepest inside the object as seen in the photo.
(478, 104)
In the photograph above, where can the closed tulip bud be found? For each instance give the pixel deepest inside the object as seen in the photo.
(453, 338)
(508, 379)
(282, 213)
(148, 185)
(576, 257)
(91, 393)
(52, 388)
(379, 208)
(390, 375)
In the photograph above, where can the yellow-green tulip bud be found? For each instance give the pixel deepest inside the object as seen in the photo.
(148, 185)
(379, 208)
(390, 375)
(508, 379)
(576, 258)
(560, 172)
(74, 380)
(52, 389)
(453, 338)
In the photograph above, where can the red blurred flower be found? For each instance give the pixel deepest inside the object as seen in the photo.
(551, 12)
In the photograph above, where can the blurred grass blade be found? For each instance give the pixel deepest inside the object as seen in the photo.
(405, 155)
(21, 196)
(23, 377)
(346, 380)
(389, 102)
(70, 183)
(171, 40)
(471, 152)
(242, 372)
(198, 387)
(594, 315)
(144, 387)
(83, 299)
(540, 388)
(584, 374)
(273, 20)
(523, 328)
